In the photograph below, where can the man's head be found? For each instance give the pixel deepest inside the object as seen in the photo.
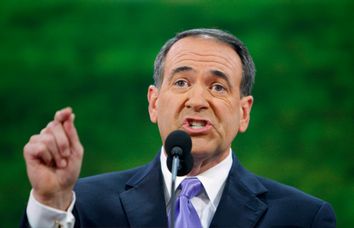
(199, 91)
(248, 67)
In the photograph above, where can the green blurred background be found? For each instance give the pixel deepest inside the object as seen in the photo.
(97, 57)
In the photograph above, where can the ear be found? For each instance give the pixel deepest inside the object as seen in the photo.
(245, 111)
(152, 95)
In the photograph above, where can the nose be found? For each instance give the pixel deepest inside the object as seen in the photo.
(197, 98)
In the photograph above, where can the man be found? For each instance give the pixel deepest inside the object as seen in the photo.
(203, 81)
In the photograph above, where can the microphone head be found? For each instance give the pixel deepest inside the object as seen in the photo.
(179, 143)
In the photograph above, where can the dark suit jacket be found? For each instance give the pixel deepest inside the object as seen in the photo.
(135, 198)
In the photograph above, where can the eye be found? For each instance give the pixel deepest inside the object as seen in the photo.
(182, 83)
(218, 88)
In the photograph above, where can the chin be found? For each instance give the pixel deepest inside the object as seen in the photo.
(199, 153)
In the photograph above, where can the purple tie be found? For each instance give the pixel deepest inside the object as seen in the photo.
(186, 215)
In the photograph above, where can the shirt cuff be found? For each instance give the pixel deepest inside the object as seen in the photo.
(40, 215)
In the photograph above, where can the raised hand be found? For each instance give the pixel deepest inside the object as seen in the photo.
(53, 160)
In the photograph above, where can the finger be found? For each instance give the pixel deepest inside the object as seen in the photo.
(37, 151)
(72, 134)
(48, 139)
(46, 128)
(63, 114)
(62, 147)
(34, 139)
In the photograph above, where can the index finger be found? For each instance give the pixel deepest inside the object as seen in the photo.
(72, 134)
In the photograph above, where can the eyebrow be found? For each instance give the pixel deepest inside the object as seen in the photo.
(181, 69)
(221, 75)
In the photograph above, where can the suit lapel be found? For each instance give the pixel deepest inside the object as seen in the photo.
(239, 205)
(143, 200)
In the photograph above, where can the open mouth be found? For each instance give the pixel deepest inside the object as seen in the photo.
(196, 124)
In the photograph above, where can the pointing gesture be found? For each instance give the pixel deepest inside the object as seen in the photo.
(53, 160)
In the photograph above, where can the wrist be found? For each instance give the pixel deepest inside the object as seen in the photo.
(59, 200)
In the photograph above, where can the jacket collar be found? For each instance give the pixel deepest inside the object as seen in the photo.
(240, 204)
(144, 200)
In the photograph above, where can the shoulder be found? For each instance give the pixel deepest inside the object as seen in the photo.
(295, 204)
(113, 181)
(273, 193)
(285, 205)
(278, 191)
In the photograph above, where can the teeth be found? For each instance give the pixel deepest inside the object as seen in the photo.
(197, 124)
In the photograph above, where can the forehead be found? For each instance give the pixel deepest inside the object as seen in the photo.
(203, 50)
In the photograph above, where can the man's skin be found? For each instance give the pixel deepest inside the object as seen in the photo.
(53, 160)
(201, 84)
(200, 94)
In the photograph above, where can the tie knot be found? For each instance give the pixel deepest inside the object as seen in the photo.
(191, 187)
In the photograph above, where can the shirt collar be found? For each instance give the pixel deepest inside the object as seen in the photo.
(212, 179)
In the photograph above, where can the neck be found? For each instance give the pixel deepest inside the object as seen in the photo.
(203, 164)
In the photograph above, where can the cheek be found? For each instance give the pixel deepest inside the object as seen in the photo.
(164, 114)
(228, 110)
(229, 116)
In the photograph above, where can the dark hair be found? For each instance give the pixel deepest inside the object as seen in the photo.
(248, 68)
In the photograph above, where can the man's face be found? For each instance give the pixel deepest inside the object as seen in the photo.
(200, 94)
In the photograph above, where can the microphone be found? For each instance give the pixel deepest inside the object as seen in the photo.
(178, 143)
(178, 146)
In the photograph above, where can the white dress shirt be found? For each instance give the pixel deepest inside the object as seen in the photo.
(213, 180)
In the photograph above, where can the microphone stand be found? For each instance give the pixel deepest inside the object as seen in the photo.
(175, 166)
